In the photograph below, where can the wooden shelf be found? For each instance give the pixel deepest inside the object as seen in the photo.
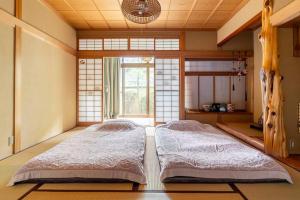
(200, 112)
(193, 73)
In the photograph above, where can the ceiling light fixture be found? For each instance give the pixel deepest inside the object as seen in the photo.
(141, 11)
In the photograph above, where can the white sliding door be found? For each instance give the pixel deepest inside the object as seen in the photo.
(166, 90)
(90, 90)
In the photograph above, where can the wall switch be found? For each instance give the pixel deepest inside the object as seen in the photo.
(10, 140)
(292, 143)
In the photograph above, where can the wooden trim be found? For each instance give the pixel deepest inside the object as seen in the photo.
(17, 81)
(14, 21)
(182, 88)
(137, 65)
(211, 73)
(133, 33)
(214, 55)
(296, 41)
(188, 55)
(287, 13)
(182, 41)
(257, 144)
(148, 29)
(242, 28)
(214, 89)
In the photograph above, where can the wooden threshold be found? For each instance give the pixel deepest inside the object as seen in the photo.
(259, 144)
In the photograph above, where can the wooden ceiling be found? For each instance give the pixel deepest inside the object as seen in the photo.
(179, 14)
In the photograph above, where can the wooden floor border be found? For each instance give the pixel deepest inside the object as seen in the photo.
(135, 186)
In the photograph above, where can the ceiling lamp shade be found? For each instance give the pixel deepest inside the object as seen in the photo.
(141, 11)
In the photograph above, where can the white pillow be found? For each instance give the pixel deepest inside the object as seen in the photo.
(117, 125)
(185, 125)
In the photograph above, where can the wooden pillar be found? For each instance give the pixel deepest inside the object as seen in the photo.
(271, 82)
(17, 79)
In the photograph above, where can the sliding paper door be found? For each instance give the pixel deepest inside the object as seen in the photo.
(166, 90)
(90, 91)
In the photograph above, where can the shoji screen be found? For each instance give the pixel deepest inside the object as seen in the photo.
(90, 90)
(166, 90)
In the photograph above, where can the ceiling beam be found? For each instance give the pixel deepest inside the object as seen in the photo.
(243, 19)
(287, 13)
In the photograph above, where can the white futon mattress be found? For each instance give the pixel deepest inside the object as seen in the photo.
(116, 154)
(209, 154)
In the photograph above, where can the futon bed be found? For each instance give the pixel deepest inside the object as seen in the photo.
(189, 151)
(113, 150)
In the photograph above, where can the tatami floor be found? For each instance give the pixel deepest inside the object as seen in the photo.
(125, 191)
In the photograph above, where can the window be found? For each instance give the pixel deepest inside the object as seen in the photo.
(142, 43)
(167, 89)
(90, 44)
(90, 90)
(171, 44)
(167, 44)
(208, 82)
(115, 44)
(137, 86)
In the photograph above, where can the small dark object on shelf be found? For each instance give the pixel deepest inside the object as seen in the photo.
(215, 107)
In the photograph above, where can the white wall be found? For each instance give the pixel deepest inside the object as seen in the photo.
(48, 77)
(257, 101)
(290, 69)
(48, 93)
(45, 19)
(6, 91)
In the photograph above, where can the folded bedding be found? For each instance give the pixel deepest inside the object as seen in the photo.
(113, 150)
(189, 149)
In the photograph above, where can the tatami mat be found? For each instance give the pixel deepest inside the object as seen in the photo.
(154, 190)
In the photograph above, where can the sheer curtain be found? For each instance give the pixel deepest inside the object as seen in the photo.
(111, 87)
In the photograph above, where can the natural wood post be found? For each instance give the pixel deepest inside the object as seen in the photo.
(271, 81)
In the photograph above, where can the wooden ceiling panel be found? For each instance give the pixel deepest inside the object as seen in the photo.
(178, 15)
(98, 24)
(107, 4)
(81, 4)
(113, 15)
(59, 5)
(70, 15)
(194, 24)
(175, 24)
(199, 15)
(92, 14)
(206, 4)
(165, 4)
(80, 24)
(181, 5)
(220, 15)
(163, 16)
(229, 5)
(117, 24)
(156, 24)
(135, 25)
